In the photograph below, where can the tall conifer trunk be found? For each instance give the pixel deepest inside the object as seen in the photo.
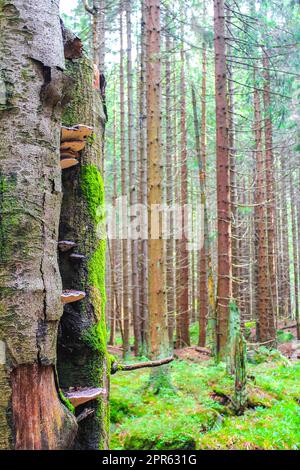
(182, 318)
(224, 288)
(270, 194)
(133, 191)
(125, 259)
(158, 325)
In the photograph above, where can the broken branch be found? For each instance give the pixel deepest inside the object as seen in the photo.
(87, 412)
(116, 367)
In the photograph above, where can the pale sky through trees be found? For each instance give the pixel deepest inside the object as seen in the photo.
(66, 6)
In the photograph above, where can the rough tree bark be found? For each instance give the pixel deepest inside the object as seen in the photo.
(132, 184)
(285, 303)
(143, 184)
(263, 292)
(182, 317)
(270, 192)
(125, 260)
(203, 296)
(294, 216)
(114, 307)
(158, 322)
(224, 288)
(171, 287)
(82, 356)
(32, 60)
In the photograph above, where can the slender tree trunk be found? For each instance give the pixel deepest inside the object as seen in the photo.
(224, 289)
(113, 257)
(203, 253)
(133, 193)
(182, 319)
(203, 287)
(270, 194)
(158, 320)
(125, 260)
(295, 253)
(263, 291)
(233, 179)
(286, 283)
(98, 29)
(143, 185)
(169, 195)
(175, 158)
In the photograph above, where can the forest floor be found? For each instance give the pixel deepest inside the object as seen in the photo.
(197, 412)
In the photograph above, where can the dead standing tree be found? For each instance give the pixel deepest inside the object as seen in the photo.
(82, 357)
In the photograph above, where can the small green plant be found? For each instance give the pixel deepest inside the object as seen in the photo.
(263, 354)
(284, 336)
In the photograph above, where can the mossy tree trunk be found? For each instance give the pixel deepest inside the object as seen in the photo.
(82, 356)
(31, 78)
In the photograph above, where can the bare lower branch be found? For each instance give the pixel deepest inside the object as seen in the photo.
(115, 367)
(87, 7)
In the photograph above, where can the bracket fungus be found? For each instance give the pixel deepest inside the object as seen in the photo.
(68, 163)
(73, 140)
(73, 145)
(78, 396)
(75, 133)
(69, 154)
(66, 245)
(77, 257)
(69, 296)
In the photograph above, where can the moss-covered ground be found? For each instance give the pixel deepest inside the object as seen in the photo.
(197, 413)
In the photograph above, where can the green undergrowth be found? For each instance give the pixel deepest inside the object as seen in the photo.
(197, 412)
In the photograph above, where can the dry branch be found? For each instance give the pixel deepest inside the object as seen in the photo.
(116, 367)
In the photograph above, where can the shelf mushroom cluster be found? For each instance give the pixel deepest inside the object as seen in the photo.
(73, 141)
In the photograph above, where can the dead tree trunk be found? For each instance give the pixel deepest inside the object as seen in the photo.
(32, 416)
(82, 356)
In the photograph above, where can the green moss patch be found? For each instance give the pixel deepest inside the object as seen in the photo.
(192, 415)
(93, 190)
